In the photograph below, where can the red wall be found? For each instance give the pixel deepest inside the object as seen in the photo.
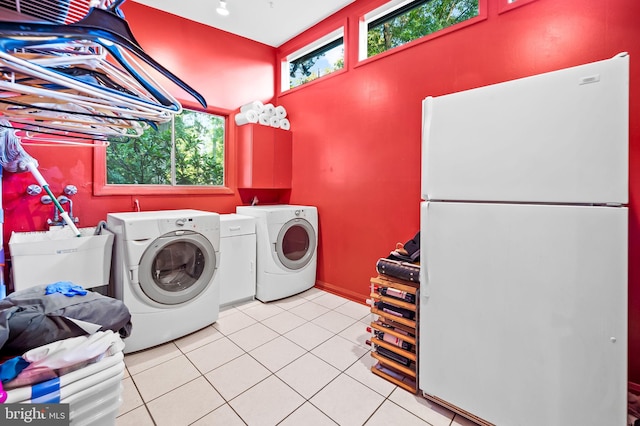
(356, 141)
(356, 134)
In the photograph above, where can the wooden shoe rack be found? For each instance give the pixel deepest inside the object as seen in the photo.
(394, 330)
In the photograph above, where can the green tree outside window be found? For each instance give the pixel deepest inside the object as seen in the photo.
(415, 20)
(320, 62)
(192, 153)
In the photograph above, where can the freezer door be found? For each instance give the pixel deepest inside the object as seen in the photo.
(555, 137)
(523, 312)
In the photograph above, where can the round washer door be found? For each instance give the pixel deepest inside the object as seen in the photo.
(177, 267)
(296, 244)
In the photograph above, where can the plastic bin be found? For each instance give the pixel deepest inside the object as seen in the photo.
(94, 392)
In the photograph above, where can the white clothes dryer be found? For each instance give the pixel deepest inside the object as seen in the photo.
(165, 271)
(287, 242)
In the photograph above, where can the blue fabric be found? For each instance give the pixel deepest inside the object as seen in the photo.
(46, 392)
(11, 368)
(65, 287)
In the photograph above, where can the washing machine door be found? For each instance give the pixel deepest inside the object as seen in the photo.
(177, 267)
(296, 244)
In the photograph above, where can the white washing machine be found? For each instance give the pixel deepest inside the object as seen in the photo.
(287, 242)
(165, 271)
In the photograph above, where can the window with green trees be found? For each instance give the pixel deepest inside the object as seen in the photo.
(316, 60)
(189, 150)
(410, 21)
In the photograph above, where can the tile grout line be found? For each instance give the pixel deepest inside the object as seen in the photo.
(181, 352)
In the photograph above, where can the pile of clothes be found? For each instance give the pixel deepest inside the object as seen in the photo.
(48, 331)
(30, 318)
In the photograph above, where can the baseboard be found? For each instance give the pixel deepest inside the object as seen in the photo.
(342, 292)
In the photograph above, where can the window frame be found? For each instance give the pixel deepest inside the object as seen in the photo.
(388, 9)
(318, 43)
(101, 187)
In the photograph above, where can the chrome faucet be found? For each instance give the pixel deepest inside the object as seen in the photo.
(57, 220)
(63, 199)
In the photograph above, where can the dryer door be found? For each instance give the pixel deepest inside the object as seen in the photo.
(177, 267)
(296, 244)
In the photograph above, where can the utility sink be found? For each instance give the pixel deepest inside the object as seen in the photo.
(46, 257)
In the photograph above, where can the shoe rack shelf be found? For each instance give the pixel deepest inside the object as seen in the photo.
(394, 330)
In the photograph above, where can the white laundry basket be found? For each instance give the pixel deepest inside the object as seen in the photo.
(93, 392)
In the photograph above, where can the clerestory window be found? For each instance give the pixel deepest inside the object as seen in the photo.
(400, 22)
(315, 60)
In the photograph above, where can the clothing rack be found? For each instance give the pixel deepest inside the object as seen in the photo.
(80, 71)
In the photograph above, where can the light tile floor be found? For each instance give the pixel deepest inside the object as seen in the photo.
(297, 361)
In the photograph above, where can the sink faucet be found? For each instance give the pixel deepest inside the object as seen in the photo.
(63, 199)
(57, 220)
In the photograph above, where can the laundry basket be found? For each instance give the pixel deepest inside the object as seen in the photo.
(93, 392)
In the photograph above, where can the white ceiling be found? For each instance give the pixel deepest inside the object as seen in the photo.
(271, 22)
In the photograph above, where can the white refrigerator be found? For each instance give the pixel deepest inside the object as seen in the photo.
(523, 297)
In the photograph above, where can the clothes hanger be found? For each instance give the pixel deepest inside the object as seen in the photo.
(67, 126)
(101, 94)
(40, 102)
(34, 103)
(78, 116)
(72, 114)
(71, 99)
(67, 85)
(33, 98)
(105, 27)
(49, 142)
(72, 117)
(50, 60)
(46, 131)
(94, 67)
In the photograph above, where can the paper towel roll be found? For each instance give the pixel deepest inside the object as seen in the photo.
(280, 112)
(284, 124)
(264, 119)
(256, 106)
(274, 121)
(250, 116)
(269, 109)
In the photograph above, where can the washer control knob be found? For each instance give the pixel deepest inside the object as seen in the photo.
(180, 222)
(297, 212)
